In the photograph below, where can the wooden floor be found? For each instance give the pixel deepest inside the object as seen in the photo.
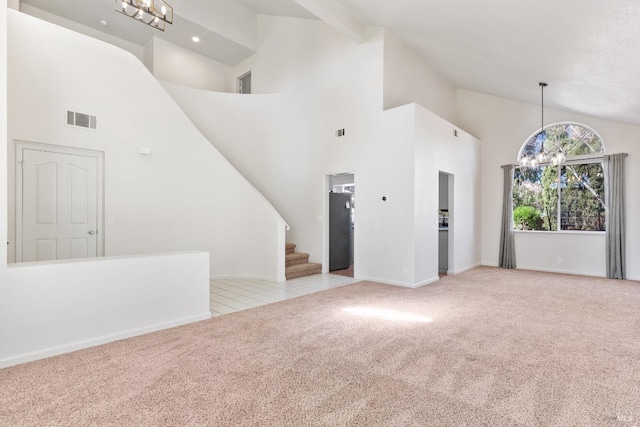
(231, 295)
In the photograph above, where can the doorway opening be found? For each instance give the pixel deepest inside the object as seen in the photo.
(341, 224)
(59, 203)
(445, 223)
(244, 83)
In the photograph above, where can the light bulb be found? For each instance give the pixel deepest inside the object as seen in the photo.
(164, 10)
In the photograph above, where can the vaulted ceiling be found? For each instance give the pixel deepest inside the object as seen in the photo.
(588, 51)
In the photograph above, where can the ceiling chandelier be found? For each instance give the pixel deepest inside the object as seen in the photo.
(539, 149)
(155, 13)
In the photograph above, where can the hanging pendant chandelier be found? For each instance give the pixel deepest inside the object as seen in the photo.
(540, 149)
(155, 13)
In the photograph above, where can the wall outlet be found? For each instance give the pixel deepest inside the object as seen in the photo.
(405, 271)
(560, 260)
(339, 133)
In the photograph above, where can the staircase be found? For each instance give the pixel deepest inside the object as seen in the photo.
(297, 264)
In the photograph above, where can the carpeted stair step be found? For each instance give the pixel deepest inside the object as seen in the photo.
(296, 258)
(290, 248)
(300, 270)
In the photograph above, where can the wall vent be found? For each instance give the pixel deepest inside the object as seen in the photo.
(81, 120)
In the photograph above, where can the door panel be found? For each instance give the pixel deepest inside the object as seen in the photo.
(59, 205)
(79, 248)
(79, 194)
(339, 230)
(45, 191)
(46, 249)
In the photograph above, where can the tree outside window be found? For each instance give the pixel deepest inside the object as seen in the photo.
(569, 196)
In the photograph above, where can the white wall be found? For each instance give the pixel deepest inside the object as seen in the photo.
(135, 49)
(53, 308)
(284, 143)
(185, 196)
(299, 55)
(3, 142)
(384, 230)
(50, 308)
(503, 125)
(408, 78)
(437, 149)
(176, 64)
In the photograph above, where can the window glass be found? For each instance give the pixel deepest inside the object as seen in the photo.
(582, 197)
(535, 198)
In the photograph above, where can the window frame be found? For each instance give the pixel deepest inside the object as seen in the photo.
(573, 160)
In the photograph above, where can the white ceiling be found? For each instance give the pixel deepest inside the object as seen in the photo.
(588, 50)
(278, 7)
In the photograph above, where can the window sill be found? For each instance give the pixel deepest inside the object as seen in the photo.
(570, 232)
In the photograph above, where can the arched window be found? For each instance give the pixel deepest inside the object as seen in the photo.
(559, 184)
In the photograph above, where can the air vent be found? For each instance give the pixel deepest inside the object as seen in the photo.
(81, 120)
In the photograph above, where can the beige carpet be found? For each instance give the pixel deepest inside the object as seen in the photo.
(487, 347)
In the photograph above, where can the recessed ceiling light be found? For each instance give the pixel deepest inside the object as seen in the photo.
(196, 39)
(104, 23)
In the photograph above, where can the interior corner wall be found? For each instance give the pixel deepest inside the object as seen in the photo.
(173, 63)
(184, 196)
(438, 149)
(503, 125)
(147, 56)
(408, 78)
(3, 140)
(385, 203)
(103, 35)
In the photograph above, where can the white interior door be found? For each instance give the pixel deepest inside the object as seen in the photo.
(61, 209)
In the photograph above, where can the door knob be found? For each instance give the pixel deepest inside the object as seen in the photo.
(92, 232)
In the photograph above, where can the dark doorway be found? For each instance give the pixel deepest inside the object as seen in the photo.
(339, 231)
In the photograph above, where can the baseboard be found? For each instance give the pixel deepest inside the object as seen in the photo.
(553, 270)
(403, 284)
(489, 264)
(549, 270)
(463, 269)
(243, 276)
(79, 345)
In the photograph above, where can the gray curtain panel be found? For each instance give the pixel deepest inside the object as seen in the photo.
(507, 241)
(614, 222)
